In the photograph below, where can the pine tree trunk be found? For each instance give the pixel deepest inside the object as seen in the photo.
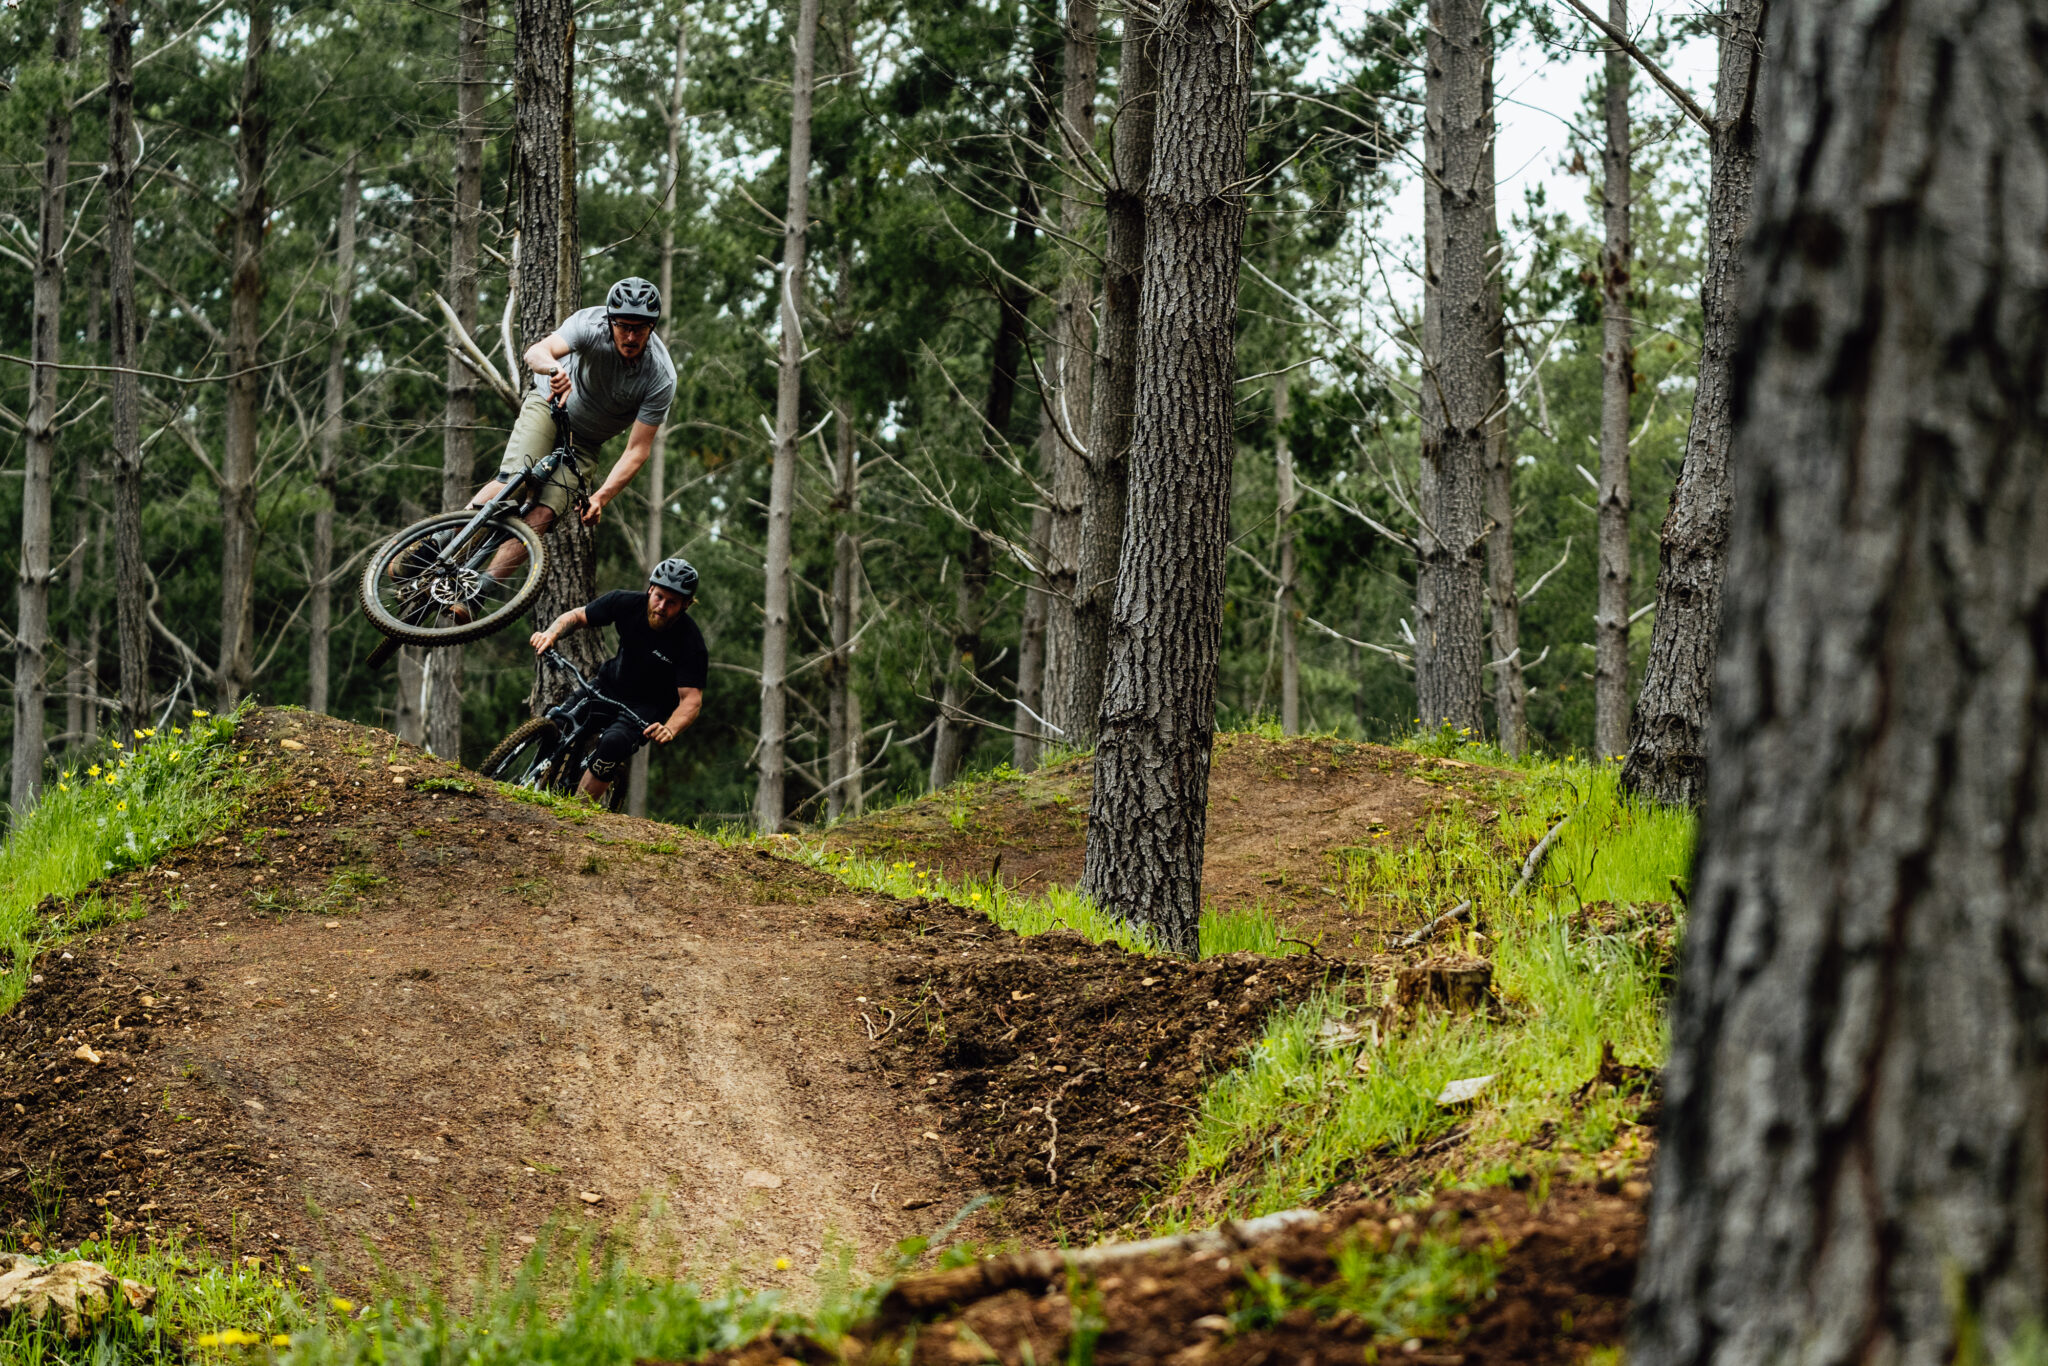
(82, 594)
(237, 663)
(1617, 383)
(1667, 757)
(1283, 526)
(842, 706)
(769, 807)
(1106, 471)
(1029, 740)
(1503, 600)
(544, 133)
(1851, 1162)
(1070, 365)
(328, 472)
(124, 394)
(1459, 334)
(32, 625)
(458, 416)
(956, 726)
(657, 463)
(1150, 804)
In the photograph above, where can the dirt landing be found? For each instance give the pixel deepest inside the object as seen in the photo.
(1565, 1270)
(1281, 812)
(395, 1015)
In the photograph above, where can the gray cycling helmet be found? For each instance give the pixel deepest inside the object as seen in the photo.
(633, 300)
(676, 575)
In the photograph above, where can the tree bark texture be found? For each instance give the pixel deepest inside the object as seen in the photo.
(1283, 525)
(1032, 631)
(1852, 1166)
(1460, 332)
(544, 152)
(1150, 804)
(247, 286)
(327, 473)
(842, 708)
(954, 737)
(1503, 600)
(1070, 368)
(1667, 755)
(458, 422)
(32, 624)
(1105, 488)
(657, 463)
(769, 807)
(124, 392)
(84, 591)
(1617, 384)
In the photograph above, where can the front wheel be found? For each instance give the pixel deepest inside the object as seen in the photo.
(528, 757)
(432, 584)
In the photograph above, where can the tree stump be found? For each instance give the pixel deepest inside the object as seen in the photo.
(1454, 982)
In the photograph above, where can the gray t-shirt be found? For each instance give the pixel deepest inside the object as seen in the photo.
(607, 393)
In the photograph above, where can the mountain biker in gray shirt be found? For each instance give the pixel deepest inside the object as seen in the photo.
(610, 373)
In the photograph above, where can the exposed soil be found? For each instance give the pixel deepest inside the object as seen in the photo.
(1563, 1285)
(1281, 813)
(394, 1015)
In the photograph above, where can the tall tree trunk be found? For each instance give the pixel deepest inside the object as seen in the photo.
(245, 339)
(1617, 383)
(544, 151)
(657, 464)
(328, 472)
(1283, 525)
(1070, 365)
(1149, 811)
(956, 725)
(1503, 600)
(32, 626)
(1459, 334)
(1032, 642)
(768, 790)
(458, 416)
(1667, 756)
(1851, 1167)
(124, 394)
(1106, 470)
(82, 590)
(842, 706)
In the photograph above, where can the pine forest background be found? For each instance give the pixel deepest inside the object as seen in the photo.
(934, 255)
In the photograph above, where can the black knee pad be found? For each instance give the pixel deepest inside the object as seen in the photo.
(615, 749)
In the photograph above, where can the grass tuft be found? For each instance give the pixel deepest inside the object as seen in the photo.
(118, 810)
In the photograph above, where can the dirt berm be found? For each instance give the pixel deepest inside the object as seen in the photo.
(394, 1015)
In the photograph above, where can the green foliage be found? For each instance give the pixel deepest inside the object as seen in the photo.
(121, 809)
(1409, 1287)
(1332, 1083)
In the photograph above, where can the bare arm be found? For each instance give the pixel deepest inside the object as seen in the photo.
(541, 358)
(639, 445)
(689, 701)
(571, 620)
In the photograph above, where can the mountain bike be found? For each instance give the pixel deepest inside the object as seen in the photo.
(431, 584)
(550, 752)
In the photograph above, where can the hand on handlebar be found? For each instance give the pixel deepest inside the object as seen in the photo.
(542, 641)
(661, 732)
(558, 384)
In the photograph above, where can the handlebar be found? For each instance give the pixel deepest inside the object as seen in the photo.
(560, 660)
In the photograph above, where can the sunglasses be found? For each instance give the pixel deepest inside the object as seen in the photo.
(634, 329)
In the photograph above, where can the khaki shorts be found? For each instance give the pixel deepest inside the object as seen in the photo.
(533, 436)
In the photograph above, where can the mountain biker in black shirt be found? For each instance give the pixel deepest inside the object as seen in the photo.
(660, 667)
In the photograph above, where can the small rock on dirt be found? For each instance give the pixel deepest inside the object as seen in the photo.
(78, 1291)
(1463, 1091)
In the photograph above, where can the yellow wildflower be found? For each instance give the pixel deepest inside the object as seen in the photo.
(280, 1339)
(228, 1337)
(199, 715)
(61, 787)
(177, 730)
(782, 1263)
(303, 1267)
(117, 745)
(341, 1306)
(120, 806)
(176, 754)
(93, 772)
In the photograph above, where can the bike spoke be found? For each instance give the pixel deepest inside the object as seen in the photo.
(438, 586)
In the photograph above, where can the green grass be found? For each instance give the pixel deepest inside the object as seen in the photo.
(1400, 1288)
(1252, 929)
(102, 817)
(1326, 1090)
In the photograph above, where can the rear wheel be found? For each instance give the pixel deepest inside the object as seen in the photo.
(528, 757)
(430, 584)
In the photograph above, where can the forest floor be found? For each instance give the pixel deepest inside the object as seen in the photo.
(394, 1026)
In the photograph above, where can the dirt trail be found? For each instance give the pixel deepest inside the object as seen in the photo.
(394, 1015)
(1281, 815)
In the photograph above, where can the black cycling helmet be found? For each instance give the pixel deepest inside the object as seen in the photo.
(676, 575)
(633, 300)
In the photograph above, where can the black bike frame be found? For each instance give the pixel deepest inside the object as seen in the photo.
(537, 476)
(560, 711)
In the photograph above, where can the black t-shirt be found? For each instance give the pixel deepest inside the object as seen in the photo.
(650, 664)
